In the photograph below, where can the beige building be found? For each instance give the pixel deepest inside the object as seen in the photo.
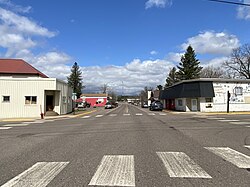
(26, 92)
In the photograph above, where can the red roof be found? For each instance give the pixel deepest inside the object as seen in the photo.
(18, 66)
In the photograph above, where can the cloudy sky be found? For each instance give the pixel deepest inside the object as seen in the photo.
(126, 44)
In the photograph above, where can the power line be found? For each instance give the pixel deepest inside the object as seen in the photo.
(230, 2)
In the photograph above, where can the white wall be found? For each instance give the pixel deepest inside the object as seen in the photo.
(18, 88)
(237, 102)
(180, 107)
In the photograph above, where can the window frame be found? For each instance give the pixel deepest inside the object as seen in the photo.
(208, 100)
(32, 100)
(6, 101)
(238, 90)
(180, 102)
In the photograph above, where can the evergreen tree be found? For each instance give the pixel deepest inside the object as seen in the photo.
(75, 80)
(172, 78)
(189, 66)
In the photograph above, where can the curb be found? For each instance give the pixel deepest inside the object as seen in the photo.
(83, 114)
(46, 118)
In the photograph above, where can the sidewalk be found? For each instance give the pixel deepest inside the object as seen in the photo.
(71, 115)
(206, 113)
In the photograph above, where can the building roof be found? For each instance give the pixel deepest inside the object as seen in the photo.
(189, 90)
(214, 80)
(18, 66)
(94, 95)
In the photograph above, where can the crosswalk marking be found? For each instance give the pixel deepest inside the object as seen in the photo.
(178, 164)
(138, 114)
(151, 114)
(200, 116)
(247, 146)
(40, 174)
(216, 118)
(126, 114)
(240, 123)
(5, 128)
(238, 159)
(112, 115)
(228, 120)
(98, 116)
(16, 125)
(115, 170)
(37, 121)
(162, 114)
(85, 117)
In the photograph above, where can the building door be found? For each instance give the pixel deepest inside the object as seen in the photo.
(49, 102)
(194, 104)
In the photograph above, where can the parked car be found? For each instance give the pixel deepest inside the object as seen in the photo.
(144, 105)
(156, 105)
(84, 105)
(108, 105)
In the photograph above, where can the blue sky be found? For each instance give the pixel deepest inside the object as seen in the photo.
(127, 44)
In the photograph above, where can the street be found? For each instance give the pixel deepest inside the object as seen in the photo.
(127, 146)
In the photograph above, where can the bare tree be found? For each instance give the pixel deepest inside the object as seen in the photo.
(239, 62)
(104, 88)
(212, 72)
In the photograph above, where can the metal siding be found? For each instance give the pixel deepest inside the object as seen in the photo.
(17, 89)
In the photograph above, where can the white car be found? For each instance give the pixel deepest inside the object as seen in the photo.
(108, 106)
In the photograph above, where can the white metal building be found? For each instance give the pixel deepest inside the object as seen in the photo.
(30, 93)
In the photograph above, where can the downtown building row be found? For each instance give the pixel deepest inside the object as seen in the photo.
(207, 95)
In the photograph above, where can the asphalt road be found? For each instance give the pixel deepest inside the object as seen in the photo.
(127, 146)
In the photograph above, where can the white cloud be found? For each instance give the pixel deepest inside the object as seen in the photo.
(53, 64)
(243, 12)
(158, 3)
(153, 52)
(210, 42)
(215, 62)
(18, 33)
(23, 24)
(14, 7)
(131, 78)
(174, 57)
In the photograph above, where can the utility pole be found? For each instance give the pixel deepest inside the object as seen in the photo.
(228, 99)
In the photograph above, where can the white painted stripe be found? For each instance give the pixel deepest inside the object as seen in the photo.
(162, 114)
(228, 120)
(247, 146)
(138, 114)
(16, 125)
(98, 116)
(241, 123)
(5, 128)
(112, 115)
(238, 159)
(85, 117)
(126, 114)
(200, 116)
(247, 126)
(37, 121)
(115, 170)
(151, 114)
(178, 164)
(49, 120)
(215, 118)
(40, 174)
